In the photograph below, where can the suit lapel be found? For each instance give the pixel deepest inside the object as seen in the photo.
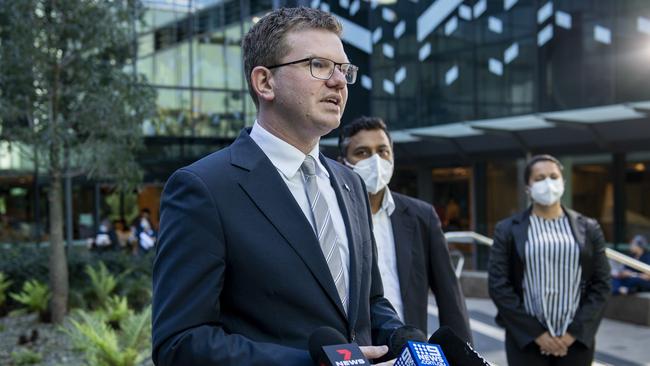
(579, 230)
(346, 200)
(402, 222)
(265, 187)
(520, 232)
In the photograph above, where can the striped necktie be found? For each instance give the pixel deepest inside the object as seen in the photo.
(329, 241)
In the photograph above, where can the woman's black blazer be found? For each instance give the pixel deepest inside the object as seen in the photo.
(506, 274)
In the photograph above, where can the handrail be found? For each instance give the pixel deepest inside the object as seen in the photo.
(468, 237)
(40, 244)
(458, 271)
(628, 261)
(472, 237)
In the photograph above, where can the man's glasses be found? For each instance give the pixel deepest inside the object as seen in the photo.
(323, 68)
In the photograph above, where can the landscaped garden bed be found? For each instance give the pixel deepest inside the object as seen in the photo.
(109, 322)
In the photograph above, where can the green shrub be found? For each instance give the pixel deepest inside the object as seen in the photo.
(77, 298)
(26, 357)
(137, 290)
(102, 283)
(105, 346)
(5, 283)
(116, 310)
(23, 262)
(35, 298)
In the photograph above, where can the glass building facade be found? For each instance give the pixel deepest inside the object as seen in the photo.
(192, 55)
(455, 76)
(435, 62)
(459, 65)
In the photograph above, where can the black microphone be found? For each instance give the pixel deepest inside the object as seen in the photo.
(328, 347)
(399, 339)
(457, 351)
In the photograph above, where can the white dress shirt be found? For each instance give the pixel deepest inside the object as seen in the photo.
(287, 159)
(386, 256)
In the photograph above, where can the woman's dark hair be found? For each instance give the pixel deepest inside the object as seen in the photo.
(536, 159)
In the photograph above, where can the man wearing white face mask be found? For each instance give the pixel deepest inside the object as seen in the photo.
(548, 275)
(411, 249)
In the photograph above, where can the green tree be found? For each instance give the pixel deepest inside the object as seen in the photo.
(67, 91)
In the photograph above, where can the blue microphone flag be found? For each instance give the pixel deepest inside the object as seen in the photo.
(419, 353)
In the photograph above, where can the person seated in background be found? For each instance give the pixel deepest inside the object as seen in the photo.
(628, 280)
(106, 238)
(123, 233)
(143, 232)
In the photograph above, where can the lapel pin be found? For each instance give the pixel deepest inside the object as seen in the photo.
(346, 187)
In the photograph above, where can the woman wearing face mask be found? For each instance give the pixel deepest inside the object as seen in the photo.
(548, 275)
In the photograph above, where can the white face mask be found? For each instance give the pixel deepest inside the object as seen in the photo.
(548, 191)
(375, 171)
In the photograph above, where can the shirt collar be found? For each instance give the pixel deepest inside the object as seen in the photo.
(284, 156)
(388, 203)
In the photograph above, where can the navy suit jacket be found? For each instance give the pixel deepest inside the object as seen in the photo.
(423, 263)
(239, 277)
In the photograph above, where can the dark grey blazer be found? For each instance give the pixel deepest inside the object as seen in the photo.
(239, 277)
(506, 274)
(423, 263)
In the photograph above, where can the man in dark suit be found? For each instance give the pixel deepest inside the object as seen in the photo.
(412, 250)
(266, 241)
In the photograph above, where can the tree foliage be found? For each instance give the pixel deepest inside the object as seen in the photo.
(66, 82)
(66, 90)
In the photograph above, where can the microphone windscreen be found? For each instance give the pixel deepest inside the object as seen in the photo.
(401, 336)
(456, 350)
(324, 336)
(442, 335)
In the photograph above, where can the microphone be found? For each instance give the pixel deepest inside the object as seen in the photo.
(399, 339)
(420, 354)
(328, 347)
(408, 346)
(458, 351)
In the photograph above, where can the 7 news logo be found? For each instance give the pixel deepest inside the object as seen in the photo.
(339, 355)
(346, 354)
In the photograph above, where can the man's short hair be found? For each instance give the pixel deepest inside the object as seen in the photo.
(264, 44)
(360, 124)
(536, 159)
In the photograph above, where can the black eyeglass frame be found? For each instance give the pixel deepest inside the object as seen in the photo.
(355, 68)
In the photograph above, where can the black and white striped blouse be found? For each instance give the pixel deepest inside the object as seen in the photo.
(552, 273)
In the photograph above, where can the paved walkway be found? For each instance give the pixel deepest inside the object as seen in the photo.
(617, 343)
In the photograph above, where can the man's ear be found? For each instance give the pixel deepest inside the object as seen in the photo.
(262, 82)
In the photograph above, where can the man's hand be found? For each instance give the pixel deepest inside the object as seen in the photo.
(550, 345)
(567, 339)
(373, 352)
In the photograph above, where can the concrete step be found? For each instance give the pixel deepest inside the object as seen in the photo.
(630, 308)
